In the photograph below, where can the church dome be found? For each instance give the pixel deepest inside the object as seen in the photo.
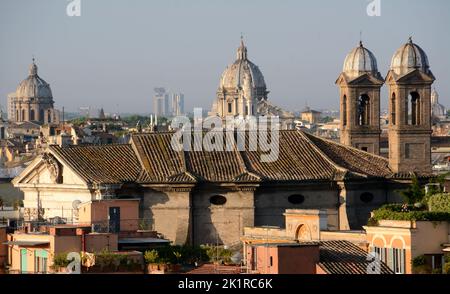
(409, 57)
(33, 86)
(360, 61)
(234, 74)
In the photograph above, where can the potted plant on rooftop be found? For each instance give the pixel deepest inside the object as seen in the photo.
(155, 263)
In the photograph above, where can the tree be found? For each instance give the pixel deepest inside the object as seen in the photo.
(1, 203)
(415, 193)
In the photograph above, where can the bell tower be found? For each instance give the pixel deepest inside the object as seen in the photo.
(359, 85)
(410, 80)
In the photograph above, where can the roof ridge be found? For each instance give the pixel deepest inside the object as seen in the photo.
(351, 148)
(138, 155)
(241, 161)
(324, 156)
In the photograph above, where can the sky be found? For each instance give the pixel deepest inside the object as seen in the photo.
(116, 52)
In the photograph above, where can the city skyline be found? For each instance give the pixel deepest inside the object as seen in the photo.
(299, 55)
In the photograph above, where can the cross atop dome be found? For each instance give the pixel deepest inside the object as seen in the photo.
(242, 50)
(33, 68)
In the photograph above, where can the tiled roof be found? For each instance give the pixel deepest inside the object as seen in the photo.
(344, 257)
(107, 164)
(151, 159)
(352, 159)
(301, 157)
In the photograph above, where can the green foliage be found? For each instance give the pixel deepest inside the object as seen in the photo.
(418, 261)
(176, 255)
(439, 203)
(414, 193)
(79, 120)
(2, 203)
(408, 213)
(107, 260)
(151, 256)
(446, 268)
(17, 204)
(218, 254)
(60, 261)
(326, 119)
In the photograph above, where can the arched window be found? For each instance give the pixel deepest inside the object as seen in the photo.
(393, 110)
(344, 110)
(413, 109)
(363, 118)
(49, 116)
(296, 199)
(23, 115)
(218, 200)
(17, 115)
(414, 99)
(32, 115)
(41, 115)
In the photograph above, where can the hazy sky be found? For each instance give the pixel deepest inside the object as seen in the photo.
(116, 52)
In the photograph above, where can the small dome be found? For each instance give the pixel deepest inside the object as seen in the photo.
(409, 57)
(33, 86)
(234, 74)
(360, 61)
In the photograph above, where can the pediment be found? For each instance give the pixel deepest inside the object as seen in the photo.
(416, 76)
(47, 169)
(413, 77)
(367, 79)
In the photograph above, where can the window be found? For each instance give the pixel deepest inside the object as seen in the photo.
(296, 199)
(344, 110)
(393, 257)
(271, 261)
(31, 114)
(366, 197)
(393, 110)
(218, 200)
(254, 259)
(413, 112)
(40, 261)
(365, 149)
(380, 254)
(230, 107)
(363, 118)
(246, 110)
(398, 260)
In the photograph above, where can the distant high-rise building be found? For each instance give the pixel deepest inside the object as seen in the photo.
(161, 102)
(177, 104)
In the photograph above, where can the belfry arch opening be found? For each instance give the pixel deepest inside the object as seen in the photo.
(344, 110)
(393, 110)
(413, 109)
(363, 111)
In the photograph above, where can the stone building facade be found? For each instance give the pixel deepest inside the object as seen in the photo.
(360, 84)
(210, 196)
(409, 83)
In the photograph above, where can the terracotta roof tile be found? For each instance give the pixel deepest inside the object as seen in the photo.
(106, 164)
(151, 159)
(344, 257)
